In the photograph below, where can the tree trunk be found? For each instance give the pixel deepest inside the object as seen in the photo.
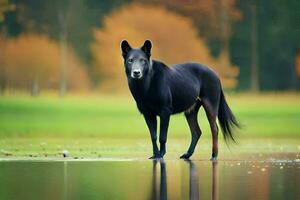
(2, 86)
(35, 86)
(254, 55)
(63, 52)
(224, 26)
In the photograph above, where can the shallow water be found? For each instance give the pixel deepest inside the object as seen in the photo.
(146, 179)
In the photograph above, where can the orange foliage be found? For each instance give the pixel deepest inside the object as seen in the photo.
(174, 38)
(33, 57)
(207, 14)
(297, 64)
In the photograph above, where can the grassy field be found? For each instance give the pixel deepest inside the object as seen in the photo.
(78, 148)
(268, 115)
(110, 126)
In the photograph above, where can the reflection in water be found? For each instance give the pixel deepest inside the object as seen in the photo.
(163, 181)
(36, 180)
(193, 181)
(215, 181)
(65, 180)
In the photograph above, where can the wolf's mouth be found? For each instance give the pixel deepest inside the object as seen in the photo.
(139, 76)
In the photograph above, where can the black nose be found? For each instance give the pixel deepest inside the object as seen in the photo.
(136, 73)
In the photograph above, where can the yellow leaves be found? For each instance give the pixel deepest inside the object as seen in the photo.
(226, 70)
(34, 57)
(175, 40)
(5, 6)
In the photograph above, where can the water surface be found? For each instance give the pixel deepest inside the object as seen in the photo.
(146, 179)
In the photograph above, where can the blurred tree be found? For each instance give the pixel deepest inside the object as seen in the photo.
(63, 14)
(297, 64)
(42, 17)
(254, 65)
(170, 44)
(213, 18)
(278, 31)
(2, 77)
(69, 21)
(5, 6)
(32, 61)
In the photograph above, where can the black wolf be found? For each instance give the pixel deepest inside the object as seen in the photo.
(162, 91)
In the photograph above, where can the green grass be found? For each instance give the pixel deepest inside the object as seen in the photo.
(110, 126)
(52, 148)
(269, 115)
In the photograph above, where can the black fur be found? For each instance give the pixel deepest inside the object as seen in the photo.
(162, 91)
(226, 118)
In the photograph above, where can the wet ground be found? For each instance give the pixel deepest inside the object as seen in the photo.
(256, 176)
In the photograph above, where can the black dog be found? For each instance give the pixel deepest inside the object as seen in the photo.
(162, 91)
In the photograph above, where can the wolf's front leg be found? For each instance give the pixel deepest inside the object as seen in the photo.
(164, 124)
(152, 125)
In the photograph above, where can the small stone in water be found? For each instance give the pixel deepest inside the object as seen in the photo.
(6, 153)
(65, 153)
(281, 167)
(263, 169)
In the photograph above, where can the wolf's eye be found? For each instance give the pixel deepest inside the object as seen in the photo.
(130, 60)
(143, 61)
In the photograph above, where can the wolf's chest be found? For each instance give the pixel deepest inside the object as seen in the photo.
(150, 105)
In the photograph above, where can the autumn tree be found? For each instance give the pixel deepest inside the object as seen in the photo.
(174, 37)
(2, 77)
(214, 19)
(33, 62)
(5, 5)
(297, 64)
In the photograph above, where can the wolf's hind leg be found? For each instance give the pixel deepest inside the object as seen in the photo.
(211, 113)
(191, 117)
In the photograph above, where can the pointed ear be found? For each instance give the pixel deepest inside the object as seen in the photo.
(147, 48)
(125, 48)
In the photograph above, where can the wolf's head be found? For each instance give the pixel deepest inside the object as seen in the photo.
(137, 61)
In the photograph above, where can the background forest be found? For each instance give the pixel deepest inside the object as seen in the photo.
(73, 45)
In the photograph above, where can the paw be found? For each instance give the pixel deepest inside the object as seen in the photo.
(162, 153)
(185, 156)
(155, 157)
(213, 158)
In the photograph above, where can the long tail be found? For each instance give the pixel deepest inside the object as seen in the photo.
(226, 118)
